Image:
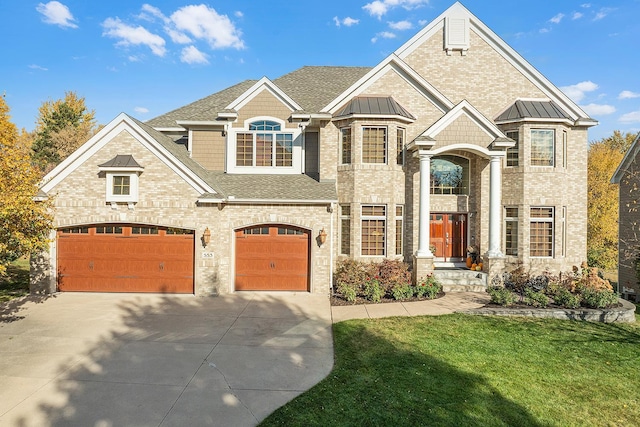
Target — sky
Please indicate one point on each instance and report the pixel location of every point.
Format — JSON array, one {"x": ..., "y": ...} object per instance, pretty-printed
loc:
[{"x": 148, "y": 58}]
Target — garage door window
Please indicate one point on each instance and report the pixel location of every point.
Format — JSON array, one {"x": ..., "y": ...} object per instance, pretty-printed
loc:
[
  {"x": 144, "y": 230},
  {"x": 109, "y": 229}
]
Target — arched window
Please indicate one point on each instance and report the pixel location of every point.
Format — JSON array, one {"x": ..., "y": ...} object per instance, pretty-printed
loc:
[
  {"x": 449, "y": 175},
  {"x": 264, "y": 125},
  {"x": 264, "y": 145}
]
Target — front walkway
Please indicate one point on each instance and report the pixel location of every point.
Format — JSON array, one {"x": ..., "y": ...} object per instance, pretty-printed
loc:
[{"x": 450, "y": 303}]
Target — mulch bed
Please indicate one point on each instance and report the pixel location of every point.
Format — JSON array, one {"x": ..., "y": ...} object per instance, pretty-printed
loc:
[{"x": 338, "y": 300}]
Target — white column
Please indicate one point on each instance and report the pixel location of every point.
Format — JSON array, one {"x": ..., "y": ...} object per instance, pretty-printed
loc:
[
  {"x": 495, "y": 209},
  {"x": 424, "y": 209}
]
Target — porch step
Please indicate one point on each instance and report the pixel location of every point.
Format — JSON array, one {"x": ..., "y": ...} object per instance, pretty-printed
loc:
[{"x": 461, "y": 280}]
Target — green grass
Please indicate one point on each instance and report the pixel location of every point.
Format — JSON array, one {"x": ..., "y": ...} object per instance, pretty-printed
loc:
[
  {"x": 463, "y": 370},
  {"x": 16, "y": 281}
]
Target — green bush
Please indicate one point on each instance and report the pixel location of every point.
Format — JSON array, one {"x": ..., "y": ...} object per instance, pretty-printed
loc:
[
  {"x": 501, "y": 295},
  {"x": 428, "y": 287},
  {"x": 402, "y": 292},
  {"x": 598, "y": 298},
  {"x": 373, "y": 291},
  {"x": 564, "y": 298},
  {"x": 348, "y": 291},
  {"x": 535, "y": 298}
]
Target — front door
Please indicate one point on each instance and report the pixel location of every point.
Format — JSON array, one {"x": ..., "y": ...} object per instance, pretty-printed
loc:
[{"x": 448, "y": 235}]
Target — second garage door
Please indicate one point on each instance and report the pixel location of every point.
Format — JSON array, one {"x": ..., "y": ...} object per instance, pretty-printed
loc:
[
  {"x": 272, "y": 258},
  {"x": 125, "y": 258}
]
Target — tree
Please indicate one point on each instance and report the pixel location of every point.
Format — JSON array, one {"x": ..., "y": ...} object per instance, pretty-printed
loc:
[
  {"x": 24, "y": 223},
  {"x": 62, "y": 126},
  {"x": 602, "y": 212}
]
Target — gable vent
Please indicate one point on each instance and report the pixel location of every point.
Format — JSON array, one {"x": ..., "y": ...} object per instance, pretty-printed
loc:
[{"x": 456, "y": 34}]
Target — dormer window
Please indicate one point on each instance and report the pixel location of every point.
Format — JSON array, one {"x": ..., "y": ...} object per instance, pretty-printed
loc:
[{"x": 121, "y": 174}]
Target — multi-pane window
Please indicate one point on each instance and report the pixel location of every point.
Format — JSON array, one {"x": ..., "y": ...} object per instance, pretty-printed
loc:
[
  {"x": 374, "y": 145},
  {"x": 122, "y": 185},
  {"x": 400, "y": 146},
  {"x": 449, "y": 175},
  {"x": 256, "y": 148},
  {"x": 345, "y": 136},
  {"x": 399, "y": 228},
  {"x": 345, "y": 229},
  {"x": 512, "y": 153},
  {"x": 144, "y": 230},
  {"x": 373, "y": 229},
  {"x": 542, "y": 147},
  {"x": 109, "y": 229},
  {"x": 75, "y": 230},
  {"x": 511, "y": 231},
  {"x": 541, "y": 232},
  {"x": 256, "y": 230},
  {"x": 283, "y": 231}
]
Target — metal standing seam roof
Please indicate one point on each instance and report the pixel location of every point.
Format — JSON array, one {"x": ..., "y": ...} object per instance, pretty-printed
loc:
[
  {"x": 121, "y": 161},
  {"x": 375, "y": 105},
  {"x": 525, "y": 109}
]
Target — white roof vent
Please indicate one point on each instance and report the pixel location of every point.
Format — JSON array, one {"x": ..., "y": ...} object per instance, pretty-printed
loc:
[{"x": 456, "y": 34}]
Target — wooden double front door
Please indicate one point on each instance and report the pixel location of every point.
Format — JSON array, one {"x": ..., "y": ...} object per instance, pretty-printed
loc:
[{"x": 448, "y": 234}]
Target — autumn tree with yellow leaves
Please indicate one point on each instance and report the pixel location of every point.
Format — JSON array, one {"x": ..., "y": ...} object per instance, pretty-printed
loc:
[
  {"x": 24, "y": 222},
  {"x": 602, "y": 213}
]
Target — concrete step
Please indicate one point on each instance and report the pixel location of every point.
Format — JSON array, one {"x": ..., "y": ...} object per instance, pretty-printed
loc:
[{"x": 461, "y": 280}]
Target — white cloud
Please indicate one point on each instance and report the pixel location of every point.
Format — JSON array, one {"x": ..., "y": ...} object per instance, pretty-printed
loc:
[
  {"x": 586, "y": 5},
  {"x": 384, "y": 35},
  {"x": 38, "y": 67},
  {"x": 400, "y": 25},
  {"x": 576, "y": 15},
  {"x": 627, "y": 94},
  {"x": 238, "y": 14},
  {"x": 598, "y": 109},
  {"x": 544, "y": 30},
  {"x": 603, "y": 12},
  {"x": 141, "y": 110},
  {"x": 578, "y": 91},
  {"x": 348, "y": 21},
  {"x": 177, "y": 36},
  {"x": 556, "y": 19},
  {"x": 133, "y": 58},
  {"x": 379, "y": 8},
  {"x": 203, "y": 22},
  {"x": 632, "y": 117},
  {"x": 191, "y": 55},
  {"x": 423, "y": 22},
  {"x": 56, "y": 13},
  {"x": 128, "y": 35},
  {"x": 153, "y": 11}
]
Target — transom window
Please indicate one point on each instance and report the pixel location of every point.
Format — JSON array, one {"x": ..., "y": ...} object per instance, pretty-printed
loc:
[
  {"x": 449, "y": 175},
  {"x": 541, "y": 232},
  {"x": 374, "y": 145},
  {"x": 373, "y": 230},
  {"x": 264, "y": 146},
  {"x": 542, "y": 147}
]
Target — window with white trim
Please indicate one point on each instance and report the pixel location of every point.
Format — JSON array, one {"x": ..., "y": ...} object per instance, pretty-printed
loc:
[
  {"x": 345, "y": 229},
  {"x": 374, "y": 145},
  {"x": 345, "y": 141},
  {"x": 541, "y": 232},
  {"x": 400, "y": 146},
  {"x": 512, "y": 152},
  {"x": 399, "y": 228},
  {"x": 511, "y": 231},
  {"x": 542, "y": 147},
  {"x": 374, "y": 219},
  {"x": 122, "y": 187},
  {"x": 264, "y": 145}
]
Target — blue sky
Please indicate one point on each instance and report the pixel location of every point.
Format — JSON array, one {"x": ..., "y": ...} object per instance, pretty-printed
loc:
[{"x": 147, "y": 58}]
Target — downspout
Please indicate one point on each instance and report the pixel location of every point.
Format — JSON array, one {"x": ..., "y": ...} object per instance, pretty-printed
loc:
[{"x": 331, "y": 249}]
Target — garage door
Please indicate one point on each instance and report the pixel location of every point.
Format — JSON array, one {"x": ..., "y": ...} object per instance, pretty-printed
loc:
[
  {"x": 125, "y": 258},
  {"x": 272, "y": 258}
]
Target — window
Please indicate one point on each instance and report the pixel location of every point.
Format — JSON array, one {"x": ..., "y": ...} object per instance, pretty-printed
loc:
[
  {"x": 400, "y": 146},
  {"x": 346, "y": 145},
  {"x": 289, "y": 231},
  {"x": 345, "y": 229},
  {"x": 109, "y": 229},
  {"x": 75, "y": 230},
  {"x": 373, "y": 230},
  {"x": 399, "y": 228},
  {"x": 178, "y": 231},
  {"x": 374, "y": 145},
  {"x": 512, "y": 153},
  {"x": 511, "y": 231},
  {"x": 144, "y": 230},
  {"x": 256, "y": 230},
  {"x": 541, "y": 232},
  {"x": 449, "y": 175},
  {"x": 121, "y": 185},
  {"x": 256, "y": 148},
  {"x": 542, "y": 147}
]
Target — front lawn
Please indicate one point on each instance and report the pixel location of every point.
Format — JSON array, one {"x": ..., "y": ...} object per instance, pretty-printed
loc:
[
  {"x": 16, "y": 281},
  {"x": 464, "y": 370}
]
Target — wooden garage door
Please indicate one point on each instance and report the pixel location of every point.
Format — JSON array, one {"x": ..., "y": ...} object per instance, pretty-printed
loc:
[
  {"x": 272, "y": 258},
  {"x": 125, "y": 258}
]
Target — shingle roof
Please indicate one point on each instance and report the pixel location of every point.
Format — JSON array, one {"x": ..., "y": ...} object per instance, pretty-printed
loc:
[
  {"x": 121, "y": 161},
  {"x": 275, "y": 187},
  {"x": 375, "y": 105},
  {"x": 531, "y": 109}
]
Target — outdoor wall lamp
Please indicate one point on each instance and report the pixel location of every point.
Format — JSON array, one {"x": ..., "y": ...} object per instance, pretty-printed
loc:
[
  {"x": 206, "y": 237},
  {"x": 322, "y": 236}
]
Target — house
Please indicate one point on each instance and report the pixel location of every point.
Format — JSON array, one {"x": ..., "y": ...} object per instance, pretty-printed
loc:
[
  {"x": 627, "y": 176},
  {"x": 453, "y": 141}
]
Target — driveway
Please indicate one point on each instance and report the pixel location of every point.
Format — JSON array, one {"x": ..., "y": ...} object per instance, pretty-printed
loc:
[{"x": 80, "y": 359}]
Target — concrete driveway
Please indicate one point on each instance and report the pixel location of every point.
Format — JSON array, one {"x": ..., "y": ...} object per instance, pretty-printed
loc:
[{"x": 79, "y": 359}]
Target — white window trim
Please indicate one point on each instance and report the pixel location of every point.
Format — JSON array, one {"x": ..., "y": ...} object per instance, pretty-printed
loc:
[
  {"x": 378, "y": 217},
  {"x": 553, "y": 148},
  {"x": 386, "y": 143},
  {"x": 401, "y": 219},
  {"x": 132, "y": 197},
  {"x": 553, "y": 230},
  {"x": 296, "y": 162},
  {"x": 508, "y": 219},
  {"x": 348, "y": 218}
]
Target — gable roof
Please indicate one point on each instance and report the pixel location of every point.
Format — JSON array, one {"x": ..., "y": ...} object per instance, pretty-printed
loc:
[
  {"x": 632, "y": 154},
  {"x": 533, "y": 109},
  {"x": 457, "y": 10}
]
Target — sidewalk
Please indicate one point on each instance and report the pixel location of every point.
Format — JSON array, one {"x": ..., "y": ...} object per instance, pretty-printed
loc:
[{"x": 450, "y": 303}]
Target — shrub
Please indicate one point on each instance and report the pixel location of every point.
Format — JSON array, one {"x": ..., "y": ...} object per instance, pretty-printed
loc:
[
  {"x": 535, "y": 298},
  {"x": 428, "y": 287},
  {"x": 598, "y": 298},
  {"x": 402, "y": 292},
  {"x": 392, "y": 273},
  {"x": 566, "y": 299},
  {"x": 348, "y": 291},
  {"x": 373, "y": 291},
  {"x": 501, "y": 295},
  {"x": 350, "y": 272}
]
